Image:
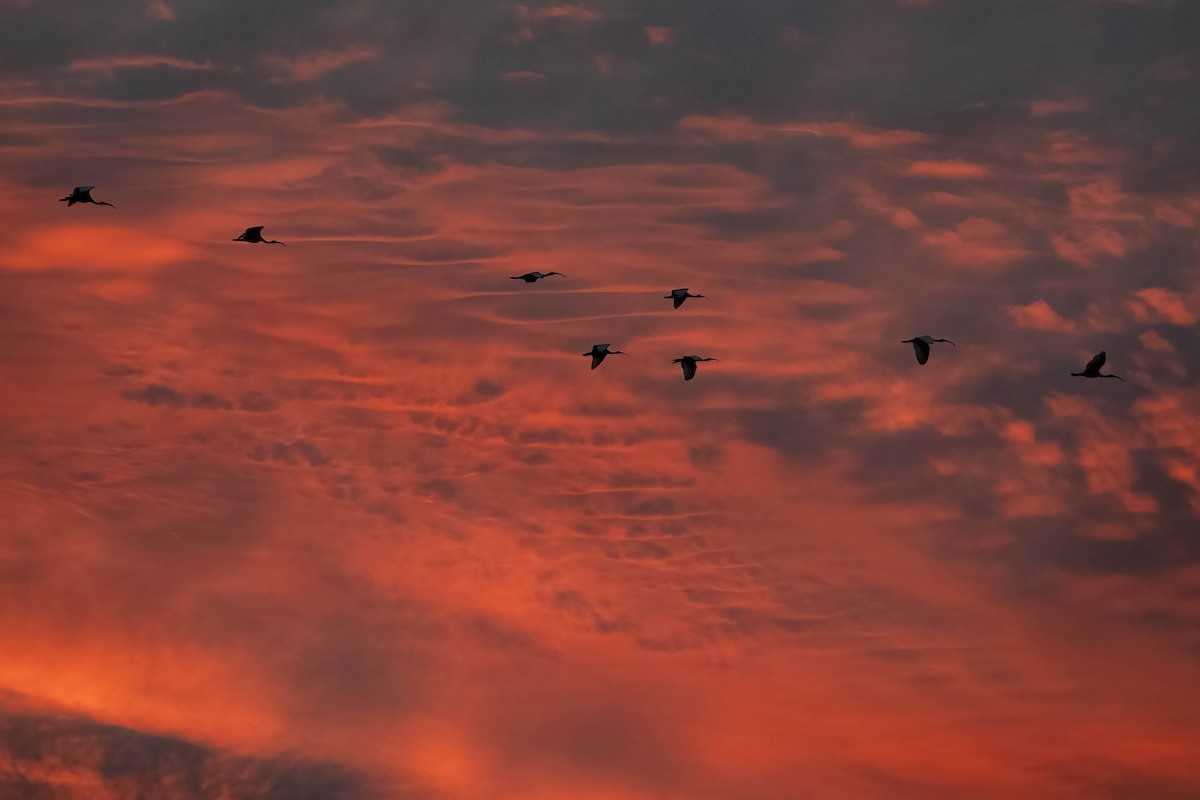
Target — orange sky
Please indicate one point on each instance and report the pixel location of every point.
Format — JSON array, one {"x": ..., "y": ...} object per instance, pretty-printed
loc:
[{"x": 353, "y": 518}]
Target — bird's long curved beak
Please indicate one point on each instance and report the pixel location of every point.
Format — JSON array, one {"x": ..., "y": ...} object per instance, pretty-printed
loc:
[{"x": 947, "y": 341}]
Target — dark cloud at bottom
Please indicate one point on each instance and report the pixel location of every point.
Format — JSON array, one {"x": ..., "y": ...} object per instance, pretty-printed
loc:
[{"x": 59, "y": 757}]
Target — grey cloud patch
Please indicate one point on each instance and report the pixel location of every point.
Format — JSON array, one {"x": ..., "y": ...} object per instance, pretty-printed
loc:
[
  {"x": 210, "y": 401},
  {"x": 641, "y": 550},
  {"x": 499, "y": 635},
  {"x": 299, "y": 451},
  {"x": 629, "y": 479},
  {"x": 599, "y": 619},
  {"x": 258, "y": 401},
  {"x": 654, "y": 507},
  {"x": 800, "y": 433},
  {"x": 1050, "y": 545},
  {"x": 482, "y": 391},
  {"x": 157, "y": 394},
  {"x": 121, "y": 371}
]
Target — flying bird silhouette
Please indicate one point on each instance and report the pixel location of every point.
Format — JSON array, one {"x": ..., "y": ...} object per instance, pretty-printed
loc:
[
  {"x": 83, "y": 194},
  {"x": 1092, "y": 370},
  {"x": 530, "y": 277},
  {"x": 599, "y": 351},
  {"x": 254, "y": 235},
  {"x": 921, "y": 346},
  {"x": 679, "y": 295},
  {"x": 689, "y": 365}
]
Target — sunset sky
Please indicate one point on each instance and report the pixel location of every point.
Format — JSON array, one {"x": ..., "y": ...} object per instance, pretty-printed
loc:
[{"x": 352, "y": 519}]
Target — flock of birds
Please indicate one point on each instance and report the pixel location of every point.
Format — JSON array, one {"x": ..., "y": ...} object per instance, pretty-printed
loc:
[{"x": 922, "y": 345}]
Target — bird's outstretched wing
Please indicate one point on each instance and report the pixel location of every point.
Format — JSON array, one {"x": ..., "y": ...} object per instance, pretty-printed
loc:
[
  {"x": 689, "y": 369},
  {"x": 1096, "y": 363},
  {"x": 597, "y": 358},
  {"x": 255, "y": 229},
  {"x": 921, "y": 348},
  {"x": 82, "y": 189},
  {"x": 678, "y": 300}
]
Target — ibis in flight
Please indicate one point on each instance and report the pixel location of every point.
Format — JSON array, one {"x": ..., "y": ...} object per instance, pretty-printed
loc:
[
  {"x": 1092, "y": 370},
  {"x": 254, "y": 235},
  {"x": 599, "y": 351},
  {"x": 921, "y": 346},
  {"x": 530, "y": 277},
  {"x": 677, "y": 296},
  {"x": 689, "y": 365},
  {"x": 83, "y": 194}
]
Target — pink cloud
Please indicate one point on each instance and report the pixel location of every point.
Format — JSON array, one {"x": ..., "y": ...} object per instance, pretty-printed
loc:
[
  {"x": 977, "y": 242},
  {"x": 523, "y": 76},
  {"x": 139, "y": 61},
  {"x": 953, "y": 170},
  {"x": 1161, "y": 305},
  {"x": 572, "y": 13},
  {"x": 160, "y": 10},
  {"x": 659, "y": 34},
  {"x": 88, "y": 246},
  {"x": 740, "y": 128},
  {"x": 1039, "y": 315},
  {"x": 314, "y": 66},
  {"x": 1040, "y": 109}
]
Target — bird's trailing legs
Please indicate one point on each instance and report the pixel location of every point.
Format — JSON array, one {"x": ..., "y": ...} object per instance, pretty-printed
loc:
[
  {"x": 530, "y": 277},
  {"x": 689, "y": 365},
  {"x": 254, "y": 236},
  {"x": 599, "y": 351},
  {"x": 1092, "y": 370},
  {"x": 83, "y": 194},
  {"x": 677, "y": 296},
  {"x": 921, "y": 346}
]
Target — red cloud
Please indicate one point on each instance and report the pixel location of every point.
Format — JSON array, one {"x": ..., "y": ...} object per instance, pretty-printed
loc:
[
  {"x": 1039, "y": 315},
  {"x": 953, "y": 170}
]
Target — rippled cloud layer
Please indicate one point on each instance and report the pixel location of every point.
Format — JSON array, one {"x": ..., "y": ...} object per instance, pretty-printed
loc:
[{"x": 353, "y": 517}]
